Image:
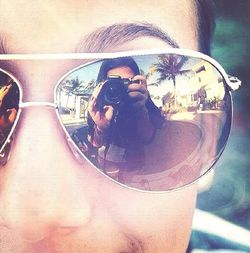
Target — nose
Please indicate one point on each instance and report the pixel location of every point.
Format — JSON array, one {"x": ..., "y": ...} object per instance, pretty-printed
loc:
[{"x": 42, "y": 187}]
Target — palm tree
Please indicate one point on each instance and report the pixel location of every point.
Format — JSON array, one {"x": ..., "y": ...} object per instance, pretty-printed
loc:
[
  {"x": 70, "y": 87},
  {"x": 143, "y": 73},
  {"x": 91, "y": 86},
  {"x": 60, "y": 90},
  {"x": 169, "y": 66},
  {"x": 85, "y": 91},
  {"x": 148, "y": 74}
]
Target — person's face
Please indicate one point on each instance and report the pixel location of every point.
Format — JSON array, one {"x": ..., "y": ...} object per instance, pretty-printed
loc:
[
  {"x": 122, "y": 71},
  {"x": 48, "y": 201}
]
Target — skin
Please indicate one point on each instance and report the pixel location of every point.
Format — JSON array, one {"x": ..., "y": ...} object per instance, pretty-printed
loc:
[{"x": 49, "y": 202}]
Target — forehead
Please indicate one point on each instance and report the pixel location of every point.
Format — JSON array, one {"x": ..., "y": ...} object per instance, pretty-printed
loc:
[
  {"x": 53, "y": 26},
  {"x": 122, "y": 70},
  {"x": 72, "y": 26}
]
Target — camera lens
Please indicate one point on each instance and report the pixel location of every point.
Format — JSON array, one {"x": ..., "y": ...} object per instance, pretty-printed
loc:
[{"x": 115, "y": 92}]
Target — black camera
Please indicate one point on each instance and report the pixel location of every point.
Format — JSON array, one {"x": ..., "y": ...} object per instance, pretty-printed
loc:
[{"x": 114, "y": 92}]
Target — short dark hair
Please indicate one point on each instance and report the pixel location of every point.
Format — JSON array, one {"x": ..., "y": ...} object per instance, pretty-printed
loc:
[{"x": 206, "y": 24}]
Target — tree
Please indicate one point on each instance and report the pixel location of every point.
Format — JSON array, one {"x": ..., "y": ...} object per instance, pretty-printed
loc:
[
  {"x": 70, "y": 86},
  {"x": 170, "y": 66},
  {"x": 85, "y": 91}
]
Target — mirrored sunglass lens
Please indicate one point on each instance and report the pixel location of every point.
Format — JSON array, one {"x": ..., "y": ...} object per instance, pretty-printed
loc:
[
  {"x": 9, "y": 104},
  {"x": 153, "y": 122}
]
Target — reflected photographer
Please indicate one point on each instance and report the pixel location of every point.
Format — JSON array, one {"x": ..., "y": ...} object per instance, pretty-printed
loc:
[{"x": 122, "y": 116}]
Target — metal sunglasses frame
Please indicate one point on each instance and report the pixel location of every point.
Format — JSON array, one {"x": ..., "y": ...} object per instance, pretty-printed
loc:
[{"x": 232, "y": 82}]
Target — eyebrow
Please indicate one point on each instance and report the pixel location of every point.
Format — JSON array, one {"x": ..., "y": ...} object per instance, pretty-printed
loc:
[{"x": 110, "y": 36}]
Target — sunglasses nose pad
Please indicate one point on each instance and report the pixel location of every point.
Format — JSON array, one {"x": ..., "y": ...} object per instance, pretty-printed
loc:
[
  {"x": 5, "y": 154},
  {"x": 77, "y": 154}
]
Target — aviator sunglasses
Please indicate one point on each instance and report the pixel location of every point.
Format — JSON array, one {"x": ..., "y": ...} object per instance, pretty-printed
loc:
[{"x": 151, "y": 120}]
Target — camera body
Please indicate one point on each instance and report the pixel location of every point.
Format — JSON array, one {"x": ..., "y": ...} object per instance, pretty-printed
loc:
[{"x": 114, "y": 92}]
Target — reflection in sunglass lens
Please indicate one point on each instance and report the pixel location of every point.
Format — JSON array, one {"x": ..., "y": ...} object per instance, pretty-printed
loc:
[
  {"x": 152, "y": 122},
  {"x": 9, "y": 102}
]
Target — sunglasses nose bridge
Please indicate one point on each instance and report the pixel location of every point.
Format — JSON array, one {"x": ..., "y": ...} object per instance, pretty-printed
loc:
[{"x": 51, "y": 105}]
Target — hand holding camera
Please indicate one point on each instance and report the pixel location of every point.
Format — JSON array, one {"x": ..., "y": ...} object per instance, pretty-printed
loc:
[
  {"x": 121, "y": 92},
  {"x": 138, "y": 93},
  {"x": 114, "y": 94},
  {"x": 101, "y": 118}
]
